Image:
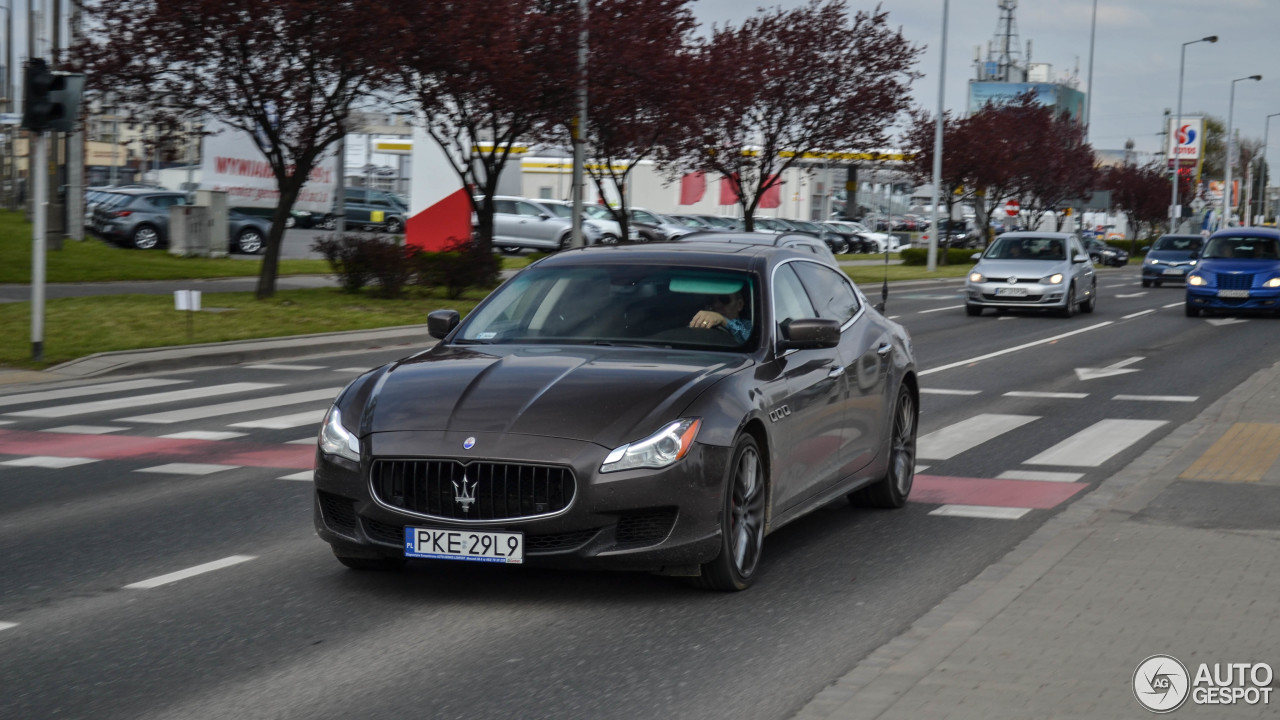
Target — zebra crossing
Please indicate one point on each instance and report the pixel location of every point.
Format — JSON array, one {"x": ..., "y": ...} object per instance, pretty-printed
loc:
[{"x": 198, "y": 430}]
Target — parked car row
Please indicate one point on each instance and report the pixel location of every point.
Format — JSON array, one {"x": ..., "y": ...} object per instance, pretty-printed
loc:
[{"x": 139, "y": 218}]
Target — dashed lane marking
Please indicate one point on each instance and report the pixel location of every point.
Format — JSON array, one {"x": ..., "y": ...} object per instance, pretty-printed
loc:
[
  {"x": 1140, "y": 313},
  {"x": 272, "y": 366},
  {"x": 941, "y": 391},
  {"x": 204, "y": 435},
  {"x": 1158, "y": 398},
  {"x": 86, "y": 429},
  {"x": 980, "y": 511},
  {"x": 1016, "y": 348},
  {"x": 187, "y": 469},
  {"x": 48, "y": 461},
  {"x": 1046, "y": 395},
  {"x": 189, "y": 572},
  {"x": 1041, "y": 475},
  {"x": 306, "y": 476},
  {"x": 7, "y": 625},
  {"x": 940, "y": 309}
]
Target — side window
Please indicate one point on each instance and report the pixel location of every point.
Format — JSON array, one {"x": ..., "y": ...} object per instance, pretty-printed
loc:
[
  {"x": 644, "y": 217},
  {"x": 1076, "y": 249},
  {"x": 525, "y": 208},
  {"x": 790, "y": 302},
  {"x": 832, "y": 295},
  {"x": 355, "y": 195},
  {"x": 504, "y": 206}
]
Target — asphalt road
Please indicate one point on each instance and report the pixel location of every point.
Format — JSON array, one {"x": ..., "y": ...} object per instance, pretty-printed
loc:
[{"x": 96, "y": 624}]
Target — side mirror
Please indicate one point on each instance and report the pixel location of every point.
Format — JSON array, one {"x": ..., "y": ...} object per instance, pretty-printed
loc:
[
  {"x": 1146, "y": 248},
  {"x": 809, "y": 333},
  {"x": 976, "y": 256},
  {"x": 442, "y": 322},
  {"x": 1080, "y": 259}
]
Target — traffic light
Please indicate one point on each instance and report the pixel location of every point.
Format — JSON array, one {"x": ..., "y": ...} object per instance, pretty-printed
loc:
[{"x": 50, "y": 100}]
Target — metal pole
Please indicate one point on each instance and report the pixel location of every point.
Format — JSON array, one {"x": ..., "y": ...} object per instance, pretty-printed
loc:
[
  {"x": 1088, "y": 99},
  {"x": 932, "y": 258},
  {"x": 39, "y": 206},
  {"x": 1262, "y": 163},
  {"x": 1227, "y": 200},
  {"x": 1173, "y": 139},
  {"x": 580, "y": 129}
]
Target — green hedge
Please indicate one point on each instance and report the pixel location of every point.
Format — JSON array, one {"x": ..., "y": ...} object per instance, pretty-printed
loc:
[{"x": 955, "y": 256}]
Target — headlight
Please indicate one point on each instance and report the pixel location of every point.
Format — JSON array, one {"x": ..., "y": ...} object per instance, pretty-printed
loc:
[
  {"x": 656, "y": 451},
  {"x": 1196, "y": 280},
  {"x": 336, "y": 439},
  {"x": 1152, "y": 261},
  {"x": 977, "y": 277},
  {"x": 1054, "y": 279},
  {"x": 1273, "y": 282}
]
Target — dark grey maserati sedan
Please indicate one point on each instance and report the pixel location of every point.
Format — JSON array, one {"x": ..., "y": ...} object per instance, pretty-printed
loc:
[{"x": 657, "y": 408}]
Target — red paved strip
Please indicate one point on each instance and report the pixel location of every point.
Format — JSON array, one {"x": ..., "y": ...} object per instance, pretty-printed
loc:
[
  {"x": 1036, "y": 494},
  {"x": 112, "y": 447}
]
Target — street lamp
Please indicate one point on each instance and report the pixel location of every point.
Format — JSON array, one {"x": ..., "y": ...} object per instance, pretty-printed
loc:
[
  {"x": 1262, "y": 161},
  {"x": 1173, "y": 139},
  {"x": 1227, "y": 204},
  {"x": 932, "y": 257}
]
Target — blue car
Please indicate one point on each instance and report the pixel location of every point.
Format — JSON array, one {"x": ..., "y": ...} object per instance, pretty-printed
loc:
[
  {"x": 1239, "y": 269},
  {"x": 1170, "y": 259}
]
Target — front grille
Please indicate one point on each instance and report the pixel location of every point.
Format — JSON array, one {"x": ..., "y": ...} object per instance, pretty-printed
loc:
[
  {"x": 383, "y": 533},
  {"x": 1012, "y": 298},
  {"x": 645, "y": 527},
  {"x": 472, "y": 491},
  {"x": 1241, "y": 281},
  {"x": 338, "y": 513}
]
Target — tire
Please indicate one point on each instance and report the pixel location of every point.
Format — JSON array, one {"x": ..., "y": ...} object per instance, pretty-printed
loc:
[
  {"x": 891, "y": 491},
  {"x": 329, "y": 223},
  {"x": 608, "y": 239},
  {"x": 250, "y": 241},
  {"x": 1088, "y": 305},
  {"x": 145, "y": 237},
  {"x": 395, "y": 226},
  {"x": 510, "y": 249},
  {"x": 741, "y": 522},
  {"x": 1192, "y": 310},
  {"x": 564, "y": 242},
  {"x": 376, "y": 564},
  {"x": 1070, "y": 308},
  {"x": 1146, "y": 283},
  {"x": 290, "y": 221},
  {"x": 1157, "y": 283},
  {"x": 973, "y": 310}
]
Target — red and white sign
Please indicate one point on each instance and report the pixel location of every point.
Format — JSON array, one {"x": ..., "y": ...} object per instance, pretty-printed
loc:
[
  {"x": 1187, "y": 139},
  {"x": 439, "y": 209},
  {"x": 232, "y": 163},
  {"x": 1012, "y": 208}
]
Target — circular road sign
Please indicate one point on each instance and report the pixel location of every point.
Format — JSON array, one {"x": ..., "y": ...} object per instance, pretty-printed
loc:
[{"x": 1011, "y": 208}]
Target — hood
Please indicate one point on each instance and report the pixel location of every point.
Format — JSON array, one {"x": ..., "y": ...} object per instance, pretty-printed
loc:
[
  {"x": 593, "y": 394},
  {"x": 1022, "y": 269},
  {"x": 1261, "y": 268},
  {"x": 1170, "y": 255}
]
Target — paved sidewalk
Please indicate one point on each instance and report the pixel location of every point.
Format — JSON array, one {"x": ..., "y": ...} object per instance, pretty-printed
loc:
[{"x": 1178, "y": 554}]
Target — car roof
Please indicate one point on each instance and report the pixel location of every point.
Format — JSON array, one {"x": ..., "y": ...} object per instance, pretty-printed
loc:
[
  {"x": 1034, "y": 234},
  {"x": 709, "y": 254},
  {"x": 1250, "y": 231}
]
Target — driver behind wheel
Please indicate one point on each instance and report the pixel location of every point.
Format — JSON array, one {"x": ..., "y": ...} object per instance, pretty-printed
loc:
[{"x": 724, "y": 311}]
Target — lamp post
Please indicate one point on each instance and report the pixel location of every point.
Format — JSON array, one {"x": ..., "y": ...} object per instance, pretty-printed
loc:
[
  {"x": 1262, "y": 162},
  {"x": 1227, "y": 204},
  {"x": 1173, "y": 139},
  {"x": 932, "y": 257}
]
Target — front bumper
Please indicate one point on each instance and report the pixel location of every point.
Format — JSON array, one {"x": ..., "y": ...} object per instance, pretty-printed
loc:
[
  {"x": 1211, "y": 298},
  {"x": 1019, "y": 295},
  {"x": 631, "y": 520},
  {"x": 1166, "y": 273}
]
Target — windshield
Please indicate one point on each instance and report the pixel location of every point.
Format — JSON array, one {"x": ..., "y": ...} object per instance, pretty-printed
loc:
[
  {"x": 559, "y": 210},
  {"x": 1175, "y": 243},
  {"x": 1027, "y": 248},
  {"x": 652, "y": 305},
  {"x": 1242, "y": 248},
  {"x": 596, "y": 212},
  {"x": 806, "y": 225}
]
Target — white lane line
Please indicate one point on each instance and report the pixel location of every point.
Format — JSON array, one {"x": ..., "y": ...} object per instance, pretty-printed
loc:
[
  {"x": 140, "y": 400},
  {"x": 85, "y": 429},
  {"x": 7, "y": 625},
  {"x": 239, "y": 406},
  {"x": 941, "y": 391},
  {"x": 48, "y": 461},
  {"x": 48, "y": 395},
  {"x": 981, "y": 511},
  {"x": 1006, "y": 351},
  {"x": 1140, "y": 313},
  {"x": 187, "y": 469},
  {"x": 921, "y": 468},
  {"x": 1159, "y": 398},
  {"x": 285, "y": 422},
  {"x": 271, "y": 366},
  {"x": 189, "y": 572},
  {"x": 956, "y": 438},
  {"x": 949, "y": 307},
  {"x": 359, "y": 370},
  {"x": 305, "y": 475},
  {"x": 1050, "y": 395},
  {"x": 894, "y": 317},
  {"x": 1040, "y": 475},
  {"x": 1097, "y": 443},
  {"x": 1132, "y": 295},
  {"x": 7, "y": 422},
  {"x": 303, "y": 441},
  {"x": 1173, "y": 305},
  {"x": 203, "y": 435}
]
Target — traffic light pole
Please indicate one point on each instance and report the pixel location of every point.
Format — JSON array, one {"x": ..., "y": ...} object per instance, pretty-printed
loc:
[{"x": 39, "y": 205}]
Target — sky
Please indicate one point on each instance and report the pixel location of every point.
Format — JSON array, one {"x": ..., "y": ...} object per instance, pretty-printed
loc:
[{"x": 1136, "y": 51}]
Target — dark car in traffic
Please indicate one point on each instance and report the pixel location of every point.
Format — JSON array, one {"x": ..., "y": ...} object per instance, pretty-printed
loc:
[
  {"x": 655, "y": 408},
  {"x": 1170, "y": 258},
  {"x": 1103, "y": 254},
  {"x": 1237, "y": 270}
]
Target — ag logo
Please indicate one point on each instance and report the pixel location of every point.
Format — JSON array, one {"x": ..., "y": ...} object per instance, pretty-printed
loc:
[{"x": 1161, "y": 683}]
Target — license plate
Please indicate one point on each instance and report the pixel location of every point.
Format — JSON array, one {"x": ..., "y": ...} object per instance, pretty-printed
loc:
[
  {"x": 1011, "y": 291},
  {"x": 472, "y": 545},
  {"x": 1233, "y": 293},
  {"x": 1174, "y": 271}
]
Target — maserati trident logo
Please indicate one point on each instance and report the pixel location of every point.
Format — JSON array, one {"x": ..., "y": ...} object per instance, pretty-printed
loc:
[
  {"x": 465, "y": 492},
  {"x": 468, "y": 443}
]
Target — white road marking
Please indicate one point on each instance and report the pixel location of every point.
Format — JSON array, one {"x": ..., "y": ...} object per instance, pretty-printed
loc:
[
  {"x": 1040, "y": 475},
  {"x": 1173, "y": 305},
  {"x": 941, "y": 391},
  {"x": 980, "y": 511},
  {"x": 284, "y": 422},
  {"x": 48, "y": 461},
  {"x": 187, "y": 469},
  {"x": 967, "y": 434},
  {"x": 271, "y": 366},
  {"x": 1132, "y": 295},
  {"x": 86, "y": 429},
  {"x": 303, "y": 441},
  {"x": 1137, "y": 314},
  {"x": 63, "y": 394},
  {"x": 1118, "y": 368},
  {"x": 894, "y": 317},
  {"x": 921, "y": 468},
  {"x": 189, "y": 572},
  {"x": 7, "y": 422},
  {"x": 1158, "y": 398},
  {"x": 140, "y": 400},
  {"x": 263, "y": 403},
  {"x": 1219, "y": 322},
  {"x": 1097, "y": 443},
  {"x": 203, "y": 435},
  {"x": 1006, "y": 351},
  {"x": 7, "y": 625},
  {"x": 306, "y": 475},
  {"x": 949, "y": 307},
  {"x": 1050, "y": 395},
  {"x": 362, "y": 370}
]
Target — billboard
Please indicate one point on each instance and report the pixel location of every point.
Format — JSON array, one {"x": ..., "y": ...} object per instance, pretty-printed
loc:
[
  {"x": 1060, "y": 97},
  {"x": 232, "y": 163},
  {"x": 1187, "y": 140}
]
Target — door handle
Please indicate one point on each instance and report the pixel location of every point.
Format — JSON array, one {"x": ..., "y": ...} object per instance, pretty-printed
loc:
[
  {"x": 835, "y": 371},
  {"x": 884, "y": 349}
]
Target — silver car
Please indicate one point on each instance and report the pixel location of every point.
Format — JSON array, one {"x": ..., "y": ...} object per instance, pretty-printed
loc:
[
  {"x": 520, "y": 223},
  {"x": 1032, "y": 271}
]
